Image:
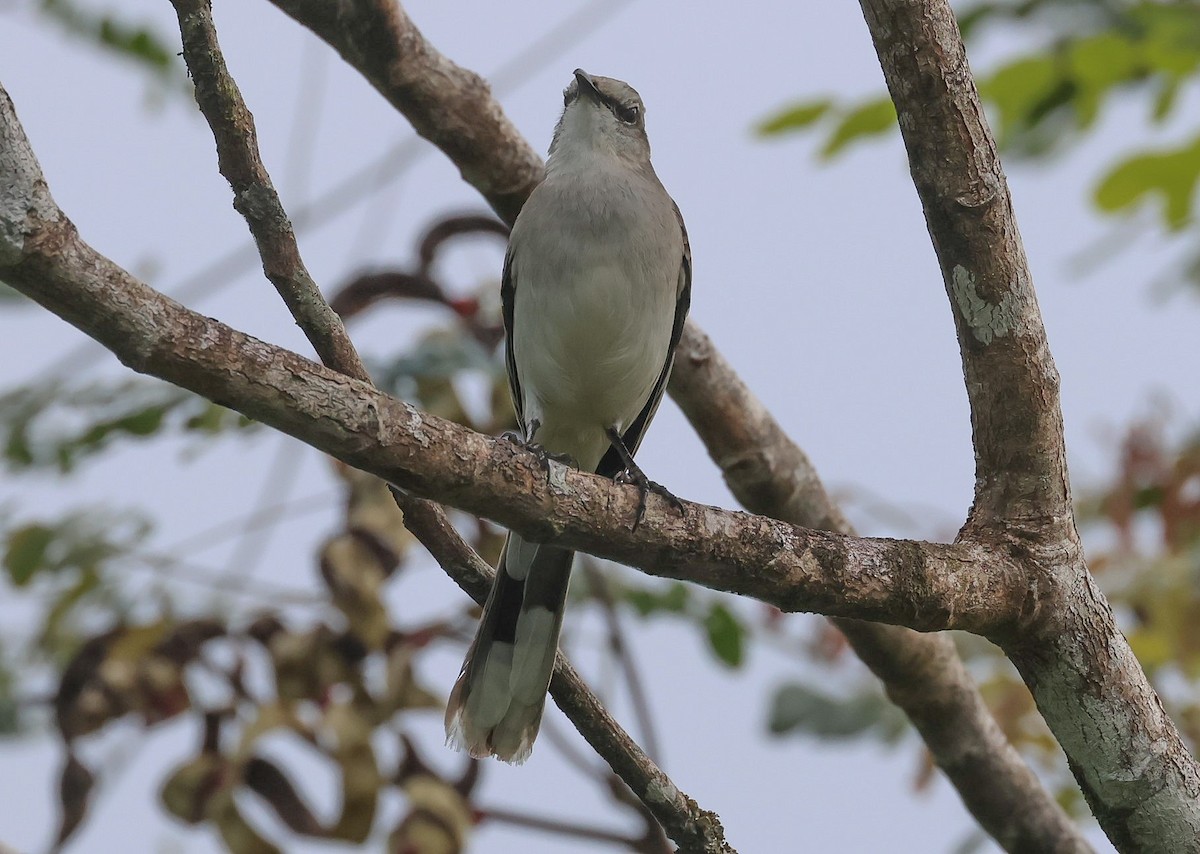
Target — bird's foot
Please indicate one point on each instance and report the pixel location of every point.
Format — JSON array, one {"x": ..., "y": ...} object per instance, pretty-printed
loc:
[
  {"x": 634, "y": 475},
  {"x": 544, "y": 457}
]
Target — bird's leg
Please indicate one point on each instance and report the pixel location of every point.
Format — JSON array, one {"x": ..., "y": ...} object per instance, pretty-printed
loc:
[
  {"x": 633, "y": 474},
  {"x": 528, "y": 443}
]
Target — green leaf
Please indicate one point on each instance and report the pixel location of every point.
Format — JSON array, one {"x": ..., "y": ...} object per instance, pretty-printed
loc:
[
  {"x": 1170, "y": 174},
  {"x": 134, "y": 42},
  {"x": 794, "y": 118},
  {"x": 1097, "y": 65},
  {"x": 797, "y": 708},
  {"x": 10, "y": 709},
  {"x": 60, "y": 423},
  {"x": 1023, "y": 93},
  {"x": 672, "y": 599},
  {"x": 214, "y": 418},
  {"x": 725, "y": 634},
  {"x": 1170, "y": 35},
  {"x": 866, "y": 120},
  {"x": 1104, "y": 60},
  {"x": 25, "y": 553},
  {"x": 1164, "y": 101}
]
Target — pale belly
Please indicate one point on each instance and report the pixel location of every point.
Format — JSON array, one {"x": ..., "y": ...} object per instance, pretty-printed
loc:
[{"x": 589, "y": 349}]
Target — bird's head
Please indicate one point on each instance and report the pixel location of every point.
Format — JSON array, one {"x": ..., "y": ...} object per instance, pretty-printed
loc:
[{"x": 601, "y": 116}]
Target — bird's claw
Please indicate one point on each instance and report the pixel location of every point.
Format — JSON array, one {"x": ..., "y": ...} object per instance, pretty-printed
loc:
[
  {"x": 645, "y": 486},
  {"x": 544, "y": 457}
]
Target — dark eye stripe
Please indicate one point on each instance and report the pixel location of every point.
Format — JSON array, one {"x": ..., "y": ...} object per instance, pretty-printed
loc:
[{"x": 627, "y": 113}]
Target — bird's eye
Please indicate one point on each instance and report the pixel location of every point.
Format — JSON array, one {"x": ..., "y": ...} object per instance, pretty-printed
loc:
[{"x": 628, "y": 113}]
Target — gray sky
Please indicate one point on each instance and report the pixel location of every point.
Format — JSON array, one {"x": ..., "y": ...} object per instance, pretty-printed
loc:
[{"x": 817, "y": 282}]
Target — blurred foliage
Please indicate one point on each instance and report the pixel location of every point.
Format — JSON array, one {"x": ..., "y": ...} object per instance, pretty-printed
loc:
[
  {"x": 1089, "y": 54},
  {"x": 797, "y": 707},
  {"x": 59, "y": 423},
  {"x": 116, "y": 34},
  {"x": 1151, "y": 514},
  {"x": 341, "y": 682},
  {"x": 66, "y": 563},
  {"x": 725, "y": 633}
]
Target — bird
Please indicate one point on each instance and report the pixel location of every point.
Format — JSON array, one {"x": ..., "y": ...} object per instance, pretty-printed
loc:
[{"x": 595, "y": 289}]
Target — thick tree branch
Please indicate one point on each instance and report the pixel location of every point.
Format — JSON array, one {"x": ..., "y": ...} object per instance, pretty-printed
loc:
[
  {"x": 923, "y": 674},
  {"x": 765, "y": 470},
  {"x": 923, "y": 585},
  {"x": 1012, "y": 384},
  {"x": 692, "y": 828},
  {"x": 1137, "y": 775},
  {"x": 232, "y": 125},
  {"x": 254, "y": 196}
]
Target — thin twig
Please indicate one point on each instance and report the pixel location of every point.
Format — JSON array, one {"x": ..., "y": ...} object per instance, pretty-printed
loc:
[
  {"x": 693, "y": 829},
  {"x": 233, "y": 130},
  {"x": 215, "y": 535},
  {"x": 563, "y": 828},
  {"x": 192, "y": 573},
  {"x": 254, "y": 196},
  {"x": 617, "y": 643},
  {"x": 254, "y": 537}
]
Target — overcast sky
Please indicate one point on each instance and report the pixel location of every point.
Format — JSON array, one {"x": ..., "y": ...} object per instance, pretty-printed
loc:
[{"x": 817, "y": 282}]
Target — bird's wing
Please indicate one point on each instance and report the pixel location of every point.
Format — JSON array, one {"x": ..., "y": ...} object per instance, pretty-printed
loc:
[
  {"x": 508, "y": 291},
  {"x": 611, "y": 464}
]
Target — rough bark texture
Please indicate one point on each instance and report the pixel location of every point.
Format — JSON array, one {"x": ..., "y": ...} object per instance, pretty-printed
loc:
[
  {"x": 923, "y": 674},
  {"x": 693, "y": 829},
  {"x": 925, "y": 585},
  {"x": 254, "y": 195},
  {"x": 255, "y": 198},
  {"x": 1137, "y": 775},
  {"x": 435, "y": 95},
  {"x": 1017, "y": 573}
]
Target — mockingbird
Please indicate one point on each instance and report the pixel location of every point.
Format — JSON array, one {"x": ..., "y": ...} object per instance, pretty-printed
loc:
[{"x": 596, "y": 287}]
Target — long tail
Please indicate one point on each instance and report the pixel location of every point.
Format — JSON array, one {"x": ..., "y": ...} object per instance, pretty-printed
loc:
[{"x": 496, "y": 705}]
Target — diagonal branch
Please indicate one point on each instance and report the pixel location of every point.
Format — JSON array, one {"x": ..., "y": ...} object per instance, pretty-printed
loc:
[
  {"x": 923, "y": 675},
  {"x": 1012, "y": 384},
  {"x": 923, "y": 585},
  {"x": 233, "y": 130},
  {"x": 694, "y": 829},
  {"x": 254, "y": 196},
  {"x": 1138, "y": 777}
]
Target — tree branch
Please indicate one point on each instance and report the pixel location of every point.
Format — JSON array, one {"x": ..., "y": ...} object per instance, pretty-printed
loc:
[
  {"x": 766, "y": 471},
  {"x": 923, "y": 585},
  {"x": 692, "y": 828},
  {"x": 254, "y": 196},
  {"x": 1012, "y": 384},
  {"x": 1137, "y": 775},
  {"x": 923, "y": 674},
  {"x": 232, "y": 125}
]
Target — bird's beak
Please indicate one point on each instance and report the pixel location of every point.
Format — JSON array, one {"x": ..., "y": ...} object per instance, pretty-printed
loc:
[{"x": 586, "y": 84}]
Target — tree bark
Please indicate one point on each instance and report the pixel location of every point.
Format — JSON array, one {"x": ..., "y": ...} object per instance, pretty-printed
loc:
[
  {"x": 1139, "y": 779},
  {"x": 923, "y": 675},
  {"x": 1016, "y": 573},
  {"x": 232, "y": 124}
]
